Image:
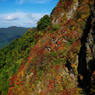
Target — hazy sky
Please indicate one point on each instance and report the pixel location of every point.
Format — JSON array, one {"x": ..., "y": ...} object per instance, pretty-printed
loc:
[{"x": 24, "y": 13}]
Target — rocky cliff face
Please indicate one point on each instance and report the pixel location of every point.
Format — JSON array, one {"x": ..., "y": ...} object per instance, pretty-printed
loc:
[
  {"x": 86, "y": 57},
  {"x": 86, "y": 65},
  {"x": 68, "y": 12}
]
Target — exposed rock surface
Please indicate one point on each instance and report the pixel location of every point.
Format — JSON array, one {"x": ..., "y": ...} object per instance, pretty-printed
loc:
[{"x": 87, "y": 53}]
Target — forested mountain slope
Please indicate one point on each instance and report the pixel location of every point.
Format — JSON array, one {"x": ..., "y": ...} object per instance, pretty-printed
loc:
[
  {"x": 56, "y": 58},
  {"x": 7, "y": 35}
]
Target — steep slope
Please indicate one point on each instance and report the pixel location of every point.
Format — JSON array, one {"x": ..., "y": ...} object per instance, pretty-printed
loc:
[{"x": 53, "y": 61}]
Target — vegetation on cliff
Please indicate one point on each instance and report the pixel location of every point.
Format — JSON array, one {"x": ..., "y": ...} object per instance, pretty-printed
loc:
[{"x": 44, "y": 61}]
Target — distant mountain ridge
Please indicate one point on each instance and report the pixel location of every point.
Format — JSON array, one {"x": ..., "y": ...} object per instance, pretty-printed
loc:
[{"x": 7, "y": 35}]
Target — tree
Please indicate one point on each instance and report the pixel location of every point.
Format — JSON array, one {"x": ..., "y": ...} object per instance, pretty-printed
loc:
[{"x": 43, "y": 23}]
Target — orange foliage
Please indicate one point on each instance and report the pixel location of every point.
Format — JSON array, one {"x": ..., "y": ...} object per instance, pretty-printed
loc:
[
  {"x": 61, "y": 45},
  {"x": 61, "y": 19},
  {"x": 58, "y": 79},
  {"x": 41, "y": 93},
  {"x": 61, "y": 48},
  {"x": 17, "y": 83},
  {"x": 93, "y": 74},
  {"x": 67, "y": 92}
]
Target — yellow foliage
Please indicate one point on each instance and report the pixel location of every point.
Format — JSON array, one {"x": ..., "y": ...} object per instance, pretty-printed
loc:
[
  {"x": 83, "y": 16},
  {"x": 71, "y": 55},
  {"x": 61, "y": 88},
  {"x": 22, "y": 73},
  {"x": 73, "y": 65},
  {"x": 79, "y": 20},
  {"x": 22, "y": 93},
  {"x": 33, "y": 86}
]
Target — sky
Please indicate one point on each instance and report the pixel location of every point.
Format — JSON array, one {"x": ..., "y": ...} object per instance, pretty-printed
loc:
[{"x": 24, "y": 13}]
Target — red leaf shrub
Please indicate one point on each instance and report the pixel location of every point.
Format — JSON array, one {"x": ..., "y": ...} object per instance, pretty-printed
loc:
[
  {"x": 40, "y": 51},
  {"x": 54, "y": 36},
  {"x": 17, "y": 83},
  {"x": 12, "y": 80},
  {"x": 57, "y": 67},
  {"x": 58, "y": 42},
  {"x": 36, "y": 35},
  {"x": 50, "y": 85},
  {"x": 63, "y": 30},
  {"x": 63, "y": 66},
  {"x": 76, "y": 34},
  {"x": 67, "y": 3},
  {"x": 57, "y": 10}
]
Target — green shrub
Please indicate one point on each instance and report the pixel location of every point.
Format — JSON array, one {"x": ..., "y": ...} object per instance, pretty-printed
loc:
[
  {"x": 53, "y": 54},
  {"x": 57, "y": 61},
  {"x": 25, "y": 55},
  {"x": 55, "y": 27},
  {"x": 70, "y": 41},
  {"x": 43, "y": 23}
]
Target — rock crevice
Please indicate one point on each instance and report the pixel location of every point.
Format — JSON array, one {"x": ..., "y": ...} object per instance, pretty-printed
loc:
[{"x": 87, "y": 53}]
